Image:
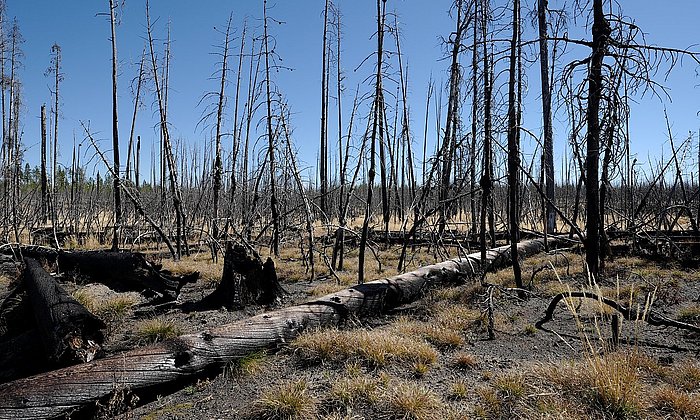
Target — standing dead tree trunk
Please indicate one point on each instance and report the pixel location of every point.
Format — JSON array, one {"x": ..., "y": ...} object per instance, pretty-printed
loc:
[
  {"x": 115, "y": 133},
  {"x": 63, "y": 391},
  {"x": 601, "y": 34},
  {"x": 377, "y": 126},
  {"x": 180, "y": 217},
  {"x": 514, "y": 148},
  {"x": 275, "y": 242},
  {"x": 449, "y": 145},
  {"x": 487, "y": 166},
  {"x": 218, "y": 165},
  {"x": 44, "y": 180},
  {"x": 323, "y": 152},
  {"x": 245, "y": 280},
  {"x": 548, "y": 148},
  {"x": 139, "y": 82}
]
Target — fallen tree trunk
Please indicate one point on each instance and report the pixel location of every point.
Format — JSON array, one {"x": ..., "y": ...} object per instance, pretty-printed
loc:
[
  {"x": 63, "y": 391},
  {"x": 121, "y": 271},
  {"x": 69, "y": 332}
]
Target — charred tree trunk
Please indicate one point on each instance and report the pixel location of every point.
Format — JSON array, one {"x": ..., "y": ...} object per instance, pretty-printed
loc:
[
  {"x": 44, "y": 180},
  {"x": 275, "y": 242},
  {"x": 115, "y": 134},
  {"x": 601, "y": 33},
  {"x": 323, "y": 158},
  {"x": 548, "y": 148},
  {"x": 218, "y": 165},
  {"x": 63, "y": 391},
  {"x": 69, "y": 332},
  {"x": 514, "y": 148}
]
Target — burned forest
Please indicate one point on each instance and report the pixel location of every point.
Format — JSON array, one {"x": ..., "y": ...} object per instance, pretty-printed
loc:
[{"x": 491, "y": 211}]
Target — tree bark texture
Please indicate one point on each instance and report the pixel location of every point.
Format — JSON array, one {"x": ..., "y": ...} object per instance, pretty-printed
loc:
[{"x": 63, "y": 391}]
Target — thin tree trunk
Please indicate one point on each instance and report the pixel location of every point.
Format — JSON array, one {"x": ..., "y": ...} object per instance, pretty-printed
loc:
[
  {"x": 377, "y": 120},
  {"x": 323, "y": 158},
  {"x": 218, "y": 165},
  {"x": 514, "y": 148},
  {"x": 271, "y": 142},
  {"x": 44, "y": 181},
  {"x": 115, "y": 134},
  {"x": 601, "y": 32}
]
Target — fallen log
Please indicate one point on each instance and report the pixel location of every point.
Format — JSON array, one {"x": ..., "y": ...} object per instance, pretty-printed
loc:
[
  {"x": 121, "y": 271},
  {"x": 69, "y": 333},
  {"x": 62, "y": 392}
]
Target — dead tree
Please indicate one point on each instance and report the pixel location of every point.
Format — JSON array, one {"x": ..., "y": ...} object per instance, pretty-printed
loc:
[
  {"x": 270, "y": 141},
  {"x": 115, "y": 132},
  {"x": 487, "y": 166},
  {"x": 449, "y": 145},
  {"x": 514, "y": 147},
  {"x": 218, "y": 165},
  {"x": 245, "y": 280},
  {"x": 548, "y": 148},
  {"x": 180, "y": 216},
  {"x": 323, "y": 155},
  {"x": 44, "y": 181},
  {"x": 377, "y": 127},
  {"x": 137, "y": 97}
]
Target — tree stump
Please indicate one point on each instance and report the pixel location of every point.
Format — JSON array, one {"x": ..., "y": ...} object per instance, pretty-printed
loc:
[{"x": 245, "y": 280}]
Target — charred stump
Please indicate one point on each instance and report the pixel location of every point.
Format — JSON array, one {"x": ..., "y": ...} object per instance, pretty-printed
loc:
[{"x": 245, "y": 280}]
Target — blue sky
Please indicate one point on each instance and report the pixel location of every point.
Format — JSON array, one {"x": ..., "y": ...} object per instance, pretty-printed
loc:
[{"x": 84, "y": 38}]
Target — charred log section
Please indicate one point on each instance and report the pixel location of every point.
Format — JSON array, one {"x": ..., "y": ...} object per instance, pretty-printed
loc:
[
  {"x": 69, "y": 333},
  {"x": 121, "y": 271}
]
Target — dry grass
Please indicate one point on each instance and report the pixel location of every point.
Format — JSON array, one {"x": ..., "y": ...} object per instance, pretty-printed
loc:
[
  {"x": 435, "y": 333},
  {"x": 405, "y": 400},
  {"x": 684, "y": 376},
  {"x": 209, "y": 272},
  {"x": 608, "y": 384},
  {"x": 326, "y": 289},
  {"x": 157, "y": 329},
  {"x": 672, "y": 403},
  {"x": 374, "y": 347},
  {"x": 459, "y": 390},
  {"x": 350, "y": 390},
  {"x": 290, "y": 400},
  {"x": 250, "y": 364},
  {"x": 464, "y": 360},
  {"x": 112, "y": 310},
  {"x": 690, "y": 313}
]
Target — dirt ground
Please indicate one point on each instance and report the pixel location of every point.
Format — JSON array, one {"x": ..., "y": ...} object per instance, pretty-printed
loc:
[{"x": 447, "y": 366}]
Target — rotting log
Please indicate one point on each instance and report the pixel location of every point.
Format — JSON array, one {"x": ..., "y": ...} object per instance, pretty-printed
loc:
[
  {"x": 69, "y": 332},
  {"x": 62, "y": 392},
  {"x": 121, "y": 271}
]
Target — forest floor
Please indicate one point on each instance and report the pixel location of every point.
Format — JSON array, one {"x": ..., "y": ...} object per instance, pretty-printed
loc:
[{"x": 433, "y": 359}]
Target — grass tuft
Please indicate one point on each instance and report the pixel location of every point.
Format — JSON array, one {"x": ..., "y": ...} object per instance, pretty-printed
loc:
[
  {"x": 377, "y": 348},
  {"x": 290, "y": 400},
  {"x": 413, "y": 402},
  {"x": 157, "y": 329}
]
